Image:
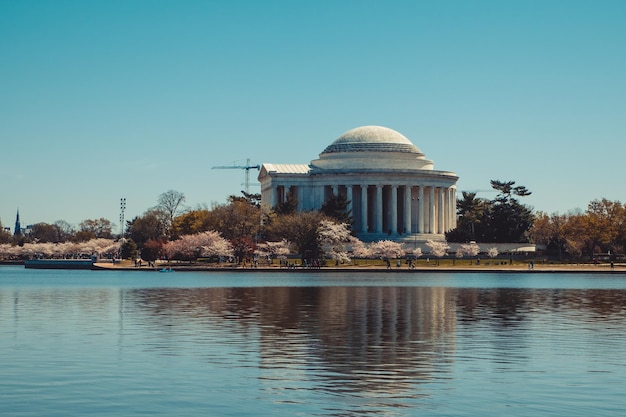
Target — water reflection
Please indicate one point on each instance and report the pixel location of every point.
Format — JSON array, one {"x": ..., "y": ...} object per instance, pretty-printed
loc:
[
  {"x": 378, "y": 343},
  {"x": 341, "y": 351}
]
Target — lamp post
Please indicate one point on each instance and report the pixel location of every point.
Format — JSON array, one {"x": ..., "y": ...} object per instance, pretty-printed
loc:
[
  {"x": 416, "y": 199},
  {"x": 122, "y": 209}
]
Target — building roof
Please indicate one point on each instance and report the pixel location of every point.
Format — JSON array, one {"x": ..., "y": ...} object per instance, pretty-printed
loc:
[
  {"x": 372, "y": 139},
  {"x": 287, "y": 168}
]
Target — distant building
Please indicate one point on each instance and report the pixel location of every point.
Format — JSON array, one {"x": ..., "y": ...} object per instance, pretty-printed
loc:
[
  {"x": 394, "y": 191},
  {"x": 17, "y": 231}
]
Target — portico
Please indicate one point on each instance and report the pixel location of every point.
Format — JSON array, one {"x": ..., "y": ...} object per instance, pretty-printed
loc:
[{"x": 394, "y": 192}]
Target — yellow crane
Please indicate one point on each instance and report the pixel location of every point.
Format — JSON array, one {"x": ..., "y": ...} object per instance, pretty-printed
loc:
[{"x": 247, "y": 167}]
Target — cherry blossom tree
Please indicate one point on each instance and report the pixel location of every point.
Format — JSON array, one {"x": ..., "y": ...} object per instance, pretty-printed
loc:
[
  {"x": 387, "y": 249},
  {"x": 205, "y": 244},
  {"x": 334, "y": 238},
  {"x": 360, "y": 249},
  {"x": 469, "y": 249},
  {"x": 7, "y": 251},
  {"x": 270, "y": 250},
  {"x": 68, "y": 249},
  {"x": 438, "y": 249},
  {"x": 492, "y": 252},
  {"x": 415, "y": 252}
]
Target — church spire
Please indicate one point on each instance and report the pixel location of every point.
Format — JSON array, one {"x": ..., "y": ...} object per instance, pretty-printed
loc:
[{"x": 18, "y": 228}]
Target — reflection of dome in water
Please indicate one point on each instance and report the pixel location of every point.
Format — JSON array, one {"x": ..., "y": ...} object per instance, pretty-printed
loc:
[{"x": 372, "y": 139}]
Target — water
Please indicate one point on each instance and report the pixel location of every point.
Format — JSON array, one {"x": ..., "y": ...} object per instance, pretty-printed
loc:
[{"x": 96, "y": 343}]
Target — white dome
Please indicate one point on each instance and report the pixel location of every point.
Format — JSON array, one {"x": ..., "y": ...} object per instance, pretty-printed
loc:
[
  {"x": 372, "y": 148},
  {"x": 372, "y": 139}
]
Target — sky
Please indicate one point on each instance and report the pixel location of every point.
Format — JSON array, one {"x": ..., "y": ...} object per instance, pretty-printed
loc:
[{"x": 108, "y": 99}]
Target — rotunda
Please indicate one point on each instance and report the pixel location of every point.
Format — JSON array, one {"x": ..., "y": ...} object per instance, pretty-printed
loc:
[{"x": 394, "y": 192}]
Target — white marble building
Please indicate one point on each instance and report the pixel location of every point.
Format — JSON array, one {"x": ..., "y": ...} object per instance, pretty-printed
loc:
[{"x": 394, "y": 191}]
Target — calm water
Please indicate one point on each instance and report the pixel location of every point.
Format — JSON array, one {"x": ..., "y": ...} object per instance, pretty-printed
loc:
[{"x": 78, "y": 343}]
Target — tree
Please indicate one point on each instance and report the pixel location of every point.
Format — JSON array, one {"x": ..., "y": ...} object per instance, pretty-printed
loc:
[
  {"x": 333, "y": 238},
  {"x": 129, "y": 250},
  {"x": 336, "y": 207},
  {"x": 152, "y": 250},
  {"x": 387, "y": 249},
  {"x": 470, "y": 210},
  {"x": 5, "y": 237},
  {"x": 65, "y": 230},
  {"x": 437, "y": 248},
  {"x": 271, "y": 250},
  {"x": 469, "y": 249},
  {"x": 83, "y": 236},
  {"x": 191, "y": 222},
  {"x": 598, "y": 225},
  {"x": 506, "y": 189},
  {"x": 253, "y": 198},
  {"x": 239, "y": 222},
  {"x": 290, "y": 205},
  {"x": 44, "y": 232},
  {"x": 171, "y": 204},
  {"x": 191, "y": 247},
  {"x": 552, "y": 231},
  {"x": 100, "y": 228},
  {"x": 508, "y": 220},
  {"x": 150, "y": 226},
  {"x": 301, "y": 229}
]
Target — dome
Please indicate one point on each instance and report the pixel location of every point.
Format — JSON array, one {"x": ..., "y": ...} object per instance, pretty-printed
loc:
[
  {"x": 372, "y": 139},
  {"x": 371, "y": 148}
]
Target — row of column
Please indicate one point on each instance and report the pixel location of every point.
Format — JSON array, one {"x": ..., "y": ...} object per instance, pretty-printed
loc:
[
  {"x": 422, "y": 209},
  {"x": 391, "y": 209}
]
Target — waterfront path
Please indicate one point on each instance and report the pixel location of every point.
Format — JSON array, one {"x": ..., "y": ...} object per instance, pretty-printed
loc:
[{"x": 422, "y": 266}]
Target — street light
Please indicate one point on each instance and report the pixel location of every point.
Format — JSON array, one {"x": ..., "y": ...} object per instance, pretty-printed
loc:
[
  {"x": 415, "y": 221},
  {"x": 122, "y": 209}
]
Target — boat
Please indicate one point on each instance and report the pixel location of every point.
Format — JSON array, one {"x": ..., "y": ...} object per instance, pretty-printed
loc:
[
  {"x": 168, "y": 269},
  {"x": 59, "y": 264}
]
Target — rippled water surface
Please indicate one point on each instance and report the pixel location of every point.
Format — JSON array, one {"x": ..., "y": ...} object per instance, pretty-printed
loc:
[{"x": 311, "y": 344}]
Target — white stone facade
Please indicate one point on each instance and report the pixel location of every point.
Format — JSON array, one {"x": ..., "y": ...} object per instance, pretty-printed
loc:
[{"x": 394, "y": 191}]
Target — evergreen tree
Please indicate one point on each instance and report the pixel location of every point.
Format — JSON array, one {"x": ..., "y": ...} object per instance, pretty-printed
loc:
[
  {"x": 289, "y": 206},
  {"x": 501, "y": 220},
  {"x": 509, "y": 220},
  {"x": 336, "y": 207}
]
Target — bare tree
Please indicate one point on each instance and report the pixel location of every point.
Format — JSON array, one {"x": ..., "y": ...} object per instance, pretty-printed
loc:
[{"x": 171, "y": 204}]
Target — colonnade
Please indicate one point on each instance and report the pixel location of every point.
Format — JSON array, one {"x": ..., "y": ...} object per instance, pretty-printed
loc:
[{"x": 393, "y": 209}]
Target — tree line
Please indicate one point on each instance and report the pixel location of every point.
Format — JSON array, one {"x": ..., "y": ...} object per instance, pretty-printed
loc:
[
  {"x": 600, "y": 229},
  {"x": 240, "y": 229}
]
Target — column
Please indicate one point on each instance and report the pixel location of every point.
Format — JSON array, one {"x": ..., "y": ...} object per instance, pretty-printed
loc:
[
  {"x": 453, "y": 208},
  {"x": 349, "y": 198},
  {"x": 420, "y": 210},
  {"x": 431, "y": 210},
  {"x": 394, "y": 209},
  {"x": 408, "y": 212},
  {"x": 300, "y": 197},
  {"x": 379, "y": 209},
  {"x": 441, "y": 226},
  {"x": 274, "y": 196},
  {"x": 319, "y": 191},
  {"x": 364, "y": 208},
  {"x": 335, "y": 189}
]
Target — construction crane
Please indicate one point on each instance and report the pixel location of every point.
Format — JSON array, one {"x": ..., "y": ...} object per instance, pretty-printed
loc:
[{"x": 247, "y": 167}]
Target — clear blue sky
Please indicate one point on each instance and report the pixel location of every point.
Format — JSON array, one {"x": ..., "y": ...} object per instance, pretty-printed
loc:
[{"x": 107, "y": 99}]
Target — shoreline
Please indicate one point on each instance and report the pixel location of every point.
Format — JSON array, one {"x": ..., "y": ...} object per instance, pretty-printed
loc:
[
  {"x": 619, "y": 269},
  {"x": 549, "y": 268}
]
